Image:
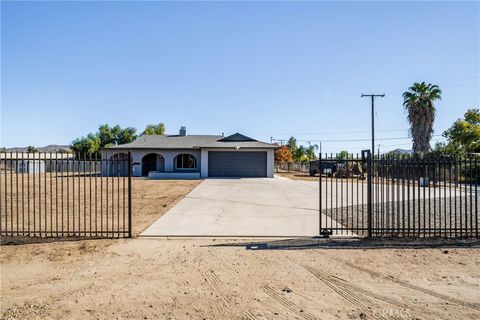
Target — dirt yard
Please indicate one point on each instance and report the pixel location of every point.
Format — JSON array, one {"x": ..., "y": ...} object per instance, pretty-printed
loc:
[
  {"x": 152, "y": 198},
  {"x": 86, "y": 203},
  {"x": 297, "y": 175},
  {"x": 226, "y": 279},
  {"x": 159, "y": 278}
]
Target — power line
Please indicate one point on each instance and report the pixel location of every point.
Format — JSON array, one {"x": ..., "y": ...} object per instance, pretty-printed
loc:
[
  {"x": 336, "y": 132},
  {"x": 353, "y": 140}
]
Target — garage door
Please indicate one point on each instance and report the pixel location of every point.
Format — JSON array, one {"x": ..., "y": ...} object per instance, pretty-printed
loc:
[{"x": 237, "y": 164}]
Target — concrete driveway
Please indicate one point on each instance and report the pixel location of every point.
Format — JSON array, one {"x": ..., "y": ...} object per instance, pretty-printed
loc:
[{"x": 277, "y": 207}]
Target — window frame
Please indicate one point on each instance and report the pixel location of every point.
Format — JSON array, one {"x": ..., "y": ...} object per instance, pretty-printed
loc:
[{"x": 182, "y": 161}]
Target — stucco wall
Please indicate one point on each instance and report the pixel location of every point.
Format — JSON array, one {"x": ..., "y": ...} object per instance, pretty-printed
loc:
[{"x": 168, "y": 155}]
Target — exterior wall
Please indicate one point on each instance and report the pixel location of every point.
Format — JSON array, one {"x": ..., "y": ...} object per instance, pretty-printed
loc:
[
  {"x": 168, "y": 154},
  {"x": 270, "y": 160},
  {"x": 270, "y": 163},
  {"x": 204, "y": 167}
]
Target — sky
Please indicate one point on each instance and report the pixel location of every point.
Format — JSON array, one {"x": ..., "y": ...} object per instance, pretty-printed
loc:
[{"x": 264, "y": 69}]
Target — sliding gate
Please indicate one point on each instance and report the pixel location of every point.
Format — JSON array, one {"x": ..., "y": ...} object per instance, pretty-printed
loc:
[
  {"x": 402, "y": 196},
  {"x": 65, "y": 195}
]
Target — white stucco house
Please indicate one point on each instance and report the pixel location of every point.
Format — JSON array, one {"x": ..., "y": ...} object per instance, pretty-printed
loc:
[{"x": 195, "y": 156}]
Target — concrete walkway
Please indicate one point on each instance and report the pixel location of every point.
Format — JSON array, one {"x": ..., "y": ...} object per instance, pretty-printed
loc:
[{"x": 277, "y": 207}]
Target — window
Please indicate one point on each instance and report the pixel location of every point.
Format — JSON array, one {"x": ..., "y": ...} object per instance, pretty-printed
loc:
[{"x": 185, "y": 161}]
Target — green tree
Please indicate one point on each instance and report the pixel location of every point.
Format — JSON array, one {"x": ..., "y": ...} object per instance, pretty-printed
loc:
[
  {"x": 104, "y": 137},
  {"x": 300, "y": 154},
  {"x": 343, "y": 155},
  {"x": 105, "y": 134},
  {"x": 310, "y": 152},
  {"x": 115, "y": 135},
  {"x": 127, "y": 135},
  {"x": 292, "y": 144},
  {"x": 31, "y": 149},
  {"x": 418, "y": 101},
  {"x": 88, "y": 145},
  {"x": 464, "y": 135},
  {"x": 154, "y": 129}
]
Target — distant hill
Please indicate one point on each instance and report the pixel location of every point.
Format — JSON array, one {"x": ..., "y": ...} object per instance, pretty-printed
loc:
[{"x": 49, "y": 148}]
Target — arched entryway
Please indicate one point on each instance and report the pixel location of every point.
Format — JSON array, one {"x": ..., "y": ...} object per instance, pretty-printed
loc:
[{"x": 152, "y": 162}]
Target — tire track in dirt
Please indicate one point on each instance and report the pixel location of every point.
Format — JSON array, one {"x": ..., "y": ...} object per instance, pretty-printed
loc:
[
  {"x": 248, "y": 315},
  {"x": 222, "y": 300},
  {"x": 358, "y": 300},
  {"x": 405, "y": 284},
  {"x": 226, "y": 303},
  {"x": 359, "y": 291},
  {"x": 289, "y": 304}
]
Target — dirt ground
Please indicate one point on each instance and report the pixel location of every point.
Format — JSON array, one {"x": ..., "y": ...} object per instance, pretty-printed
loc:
[
  {"x": 152, "y": 198},
  {"x": 297, "y": 175},
  {"x": 176, "y": 278},
  {"x": 147, "y": 278},
  {"x": 86, "y": 203}
]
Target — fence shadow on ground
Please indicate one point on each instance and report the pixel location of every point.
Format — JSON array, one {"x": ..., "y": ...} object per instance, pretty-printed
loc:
[
  {"x": 16, "y": 241},
  {"x": 362, "y": 244}
]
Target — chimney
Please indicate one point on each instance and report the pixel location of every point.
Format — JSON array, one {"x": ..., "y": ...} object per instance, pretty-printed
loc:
[{"x": 183, "y": 131}]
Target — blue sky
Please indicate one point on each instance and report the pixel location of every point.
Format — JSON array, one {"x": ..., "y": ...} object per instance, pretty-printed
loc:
[{"x": 261, "y": 68}]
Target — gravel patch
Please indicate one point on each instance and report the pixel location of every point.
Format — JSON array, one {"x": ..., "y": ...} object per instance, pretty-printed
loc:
[{"x": 440, "y": 217}]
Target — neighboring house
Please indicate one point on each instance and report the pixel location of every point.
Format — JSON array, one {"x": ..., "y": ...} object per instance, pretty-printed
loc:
[{"x": 195, "y": 156}]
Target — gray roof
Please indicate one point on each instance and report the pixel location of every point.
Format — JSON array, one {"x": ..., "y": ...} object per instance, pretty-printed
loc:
[{"x": 193, "y": 142}]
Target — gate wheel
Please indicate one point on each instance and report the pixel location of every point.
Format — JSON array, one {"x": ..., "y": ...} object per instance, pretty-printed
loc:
[{"x": 326, "y": 233}]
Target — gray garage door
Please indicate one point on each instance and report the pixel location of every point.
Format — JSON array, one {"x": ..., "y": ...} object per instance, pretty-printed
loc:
[{"x": 237, "y": 164}]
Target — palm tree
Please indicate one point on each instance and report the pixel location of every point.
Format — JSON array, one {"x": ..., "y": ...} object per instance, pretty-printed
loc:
[
  {"x": 292, "y": 144},
  {"x": 310, "y": 152},
  {"x": 299, "y": 154},
  {"x": 418, "y": 101}
]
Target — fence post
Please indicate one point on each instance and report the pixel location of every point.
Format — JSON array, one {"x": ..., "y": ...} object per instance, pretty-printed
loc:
[
  {"x": 129, "y": 194},
  {"x": 369, "y": 192},
  {"x": 319, "y": 166}
]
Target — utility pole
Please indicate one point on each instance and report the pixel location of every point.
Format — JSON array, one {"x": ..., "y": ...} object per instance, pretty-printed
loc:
[
  {"x": 279, "y": 141},
  {"x": 373, "y": 96}
]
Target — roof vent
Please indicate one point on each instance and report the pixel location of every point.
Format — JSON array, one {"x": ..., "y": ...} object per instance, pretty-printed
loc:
[{"x": 183, "y": 131}]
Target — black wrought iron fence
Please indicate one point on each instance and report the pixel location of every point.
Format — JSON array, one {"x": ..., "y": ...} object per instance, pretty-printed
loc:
[
  {"x": 65, "y": 195},
  {"x": 404, "y": 196}
]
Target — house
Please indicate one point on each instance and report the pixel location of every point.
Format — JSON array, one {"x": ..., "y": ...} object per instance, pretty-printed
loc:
[{"x": 195, "y": 156}]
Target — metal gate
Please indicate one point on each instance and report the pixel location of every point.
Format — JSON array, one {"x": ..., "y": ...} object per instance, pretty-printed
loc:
[
  {"x": 402, "y": 196},
  {"x": 65, "y": 195}
]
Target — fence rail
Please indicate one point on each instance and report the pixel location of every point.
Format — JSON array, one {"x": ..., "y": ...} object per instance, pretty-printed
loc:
[
  {"x": 407, "y": 196},
  {"x": 53, "y": 195}
]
